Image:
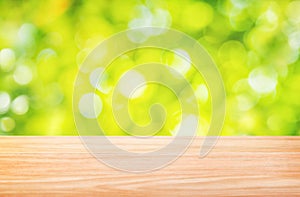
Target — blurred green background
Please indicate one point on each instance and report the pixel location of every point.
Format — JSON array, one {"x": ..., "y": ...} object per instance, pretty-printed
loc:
[{"x": 255, "y": 44}]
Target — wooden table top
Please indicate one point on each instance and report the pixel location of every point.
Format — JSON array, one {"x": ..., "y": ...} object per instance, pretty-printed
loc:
[{"x": 237, "y": 166}]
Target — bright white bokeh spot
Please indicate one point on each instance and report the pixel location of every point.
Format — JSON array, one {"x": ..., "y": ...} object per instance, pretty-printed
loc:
[
  {"x": 271, "y": 16},
  {"x": 181, "y": 62},
  {"x": 20, "y": 105},
  {"x": 26, "y": 34},
  {"x": 144, "y": 19},
  {"x": 268, "y": 20},
  {"x": 148, "y": 18},
  {"x": 239, "y": 3},
  {"x": 99, "y": 80},
  {"x": 23, "y": 75},
  {"x": 138, "y": 35},
  {"x": 90, "y": 106},
  {"x": 160, "y": 18},
  {"x": 187, "y": 126},
  {"x": 294, "y": 40},
  {"x": 4, "y": 102},
  {"x": 7, "y": 124},
  {"x": 7, "y": 59},
  {"x": 263, "y": 80},
  {"x": 202, "y": 93},
  {"x": 95, "y": 77},
  {"x": 132, "y": 84}
]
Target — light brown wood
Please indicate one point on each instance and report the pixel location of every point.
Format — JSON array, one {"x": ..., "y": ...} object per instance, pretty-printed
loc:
[{"x": 237, "y": 166}]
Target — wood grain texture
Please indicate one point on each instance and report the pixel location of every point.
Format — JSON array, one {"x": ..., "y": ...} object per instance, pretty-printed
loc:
[{"x": 237, "y": 166}]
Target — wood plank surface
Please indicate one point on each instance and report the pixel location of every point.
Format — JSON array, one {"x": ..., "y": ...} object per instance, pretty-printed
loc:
[{"x": 237, "y": 166}]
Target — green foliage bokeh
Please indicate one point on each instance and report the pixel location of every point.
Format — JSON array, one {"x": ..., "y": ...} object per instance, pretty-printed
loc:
[{"x": 255, "y": 44}]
